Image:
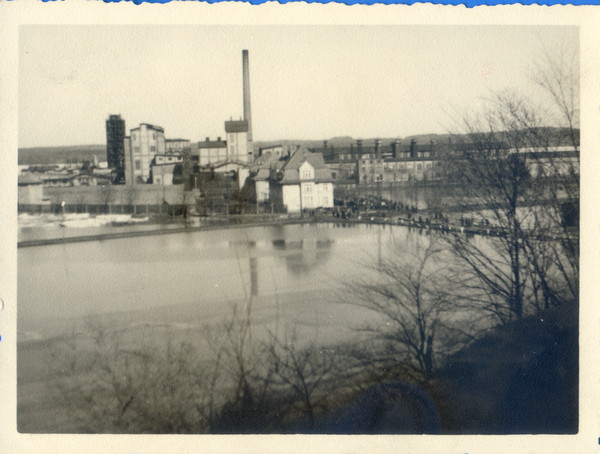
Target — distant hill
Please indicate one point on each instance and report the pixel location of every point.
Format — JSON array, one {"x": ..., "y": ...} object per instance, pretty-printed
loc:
[
  {"x": 81, "y": 153},
  {"x": 58, "y": 155}
]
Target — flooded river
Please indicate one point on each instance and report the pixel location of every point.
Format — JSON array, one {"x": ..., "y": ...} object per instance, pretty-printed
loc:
[{"x": 293, "y": 272}]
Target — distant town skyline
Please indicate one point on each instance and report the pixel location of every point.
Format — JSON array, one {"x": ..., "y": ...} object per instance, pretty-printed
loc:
[{"x": 307, "y": 82}]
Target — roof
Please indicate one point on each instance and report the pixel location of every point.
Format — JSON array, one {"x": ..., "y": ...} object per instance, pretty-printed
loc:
[
  {"x": 149, "y": 126},
  {"x": 271, "y": 147},
  {"x": 236, "y": 126},
  {"x": 212, "y": 144},
  {"x": 291, "y": 168},
  {"x": 262, "y": 175},
  {"x": 29, "y": 178},
  {"x": 301, "y": 155},
  {"x": 263, "y": 160}
]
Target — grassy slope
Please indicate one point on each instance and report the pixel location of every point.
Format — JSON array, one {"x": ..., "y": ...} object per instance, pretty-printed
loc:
[{"x": 519, "y": 378}]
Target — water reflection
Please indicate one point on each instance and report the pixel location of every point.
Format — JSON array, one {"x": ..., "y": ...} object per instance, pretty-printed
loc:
[
  {"x": 205, "y": 270},
  {"x": 311, "y": 254},
  {"x": 253, "y": 276}
]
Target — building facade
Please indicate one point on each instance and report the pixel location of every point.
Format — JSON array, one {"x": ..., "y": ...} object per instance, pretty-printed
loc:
[
  {"x": 163, "y": 168},
  {"x": 176, "y": 145},
  {"x": 143, "y": 144},
  {"x": 238, "y": 149},
  {"x": 210, "y": 152}
]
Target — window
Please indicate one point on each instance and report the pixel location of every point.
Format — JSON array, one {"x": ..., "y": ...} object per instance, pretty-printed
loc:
[
  {"x": 154, "y": 136},
  {"x": 136, "y": 149},
  {"x": 306, "y": 174},
  {"x": 307, "y": 188},
  {"x": 152, "y": 148},
  {"x": 325, "y": 201},
  {"x": 138, "y": 164},
  {"x": 157, "y": 180}
]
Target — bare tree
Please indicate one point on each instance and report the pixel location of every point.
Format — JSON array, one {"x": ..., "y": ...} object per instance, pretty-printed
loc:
[
  {"x": 557, "y": 73},
  {"x": 416, "y": 316},
  {"x": 518, "y": 170},
  {"x": 110, "y": 386},
  {"x": 304, "y": 372}
]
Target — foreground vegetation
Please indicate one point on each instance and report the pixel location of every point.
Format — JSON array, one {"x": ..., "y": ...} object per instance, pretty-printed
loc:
[{"x": 519, "y": 378}]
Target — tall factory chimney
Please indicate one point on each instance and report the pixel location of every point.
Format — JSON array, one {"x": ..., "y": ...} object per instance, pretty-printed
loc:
[{"x": 247, "y": 110}]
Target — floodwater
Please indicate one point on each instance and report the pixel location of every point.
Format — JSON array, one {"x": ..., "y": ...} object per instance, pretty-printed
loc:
[{"x": 293, "y": 273}]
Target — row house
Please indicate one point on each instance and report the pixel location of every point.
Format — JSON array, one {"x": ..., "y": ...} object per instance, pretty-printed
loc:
[{"x": 378, "y": 162}]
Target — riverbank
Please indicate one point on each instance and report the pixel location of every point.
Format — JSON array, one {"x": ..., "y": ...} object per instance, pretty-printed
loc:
[{"x": 162, "y": 225}]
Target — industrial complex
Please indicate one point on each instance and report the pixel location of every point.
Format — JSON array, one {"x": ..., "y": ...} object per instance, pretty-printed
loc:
[{"x": 224, "y": 173}]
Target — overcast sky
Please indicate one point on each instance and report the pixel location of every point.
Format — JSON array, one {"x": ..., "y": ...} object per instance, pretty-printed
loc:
[{"x": 307, "y": 82}]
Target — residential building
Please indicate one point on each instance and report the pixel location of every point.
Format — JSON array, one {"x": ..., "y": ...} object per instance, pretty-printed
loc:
[
  {"x": 261, "y": 172},
  {"x": 302, "y": 183}
]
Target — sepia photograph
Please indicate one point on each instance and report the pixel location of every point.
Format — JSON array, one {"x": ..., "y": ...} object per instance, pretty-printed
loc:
[
  {"x": 299, "y": 228},
  {"x": 303, "y": 229}
]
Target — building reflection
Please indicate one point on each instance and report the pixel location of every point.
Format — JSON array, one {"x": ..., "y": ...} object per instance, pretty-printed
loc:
[{"x": 303, "y": 256}]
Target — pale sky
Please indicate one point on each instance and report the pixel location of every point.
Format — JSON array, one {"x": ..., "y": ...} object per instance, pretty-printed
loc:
[{"x": 307, "y": 82}]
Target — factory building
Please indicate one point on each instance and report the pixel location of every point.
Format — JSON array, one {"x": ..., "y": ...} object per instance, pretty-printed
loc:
[
  {"x": 176, "y": 145},
  {"x": 141, "y": 146},
  {"x": 115, "y": 151},
  {"x": 164, "y": 168},
  {"x": 234, "y": 154},
  {"x": 210, "y": 152},
  {"x": 238, "y": 146}
]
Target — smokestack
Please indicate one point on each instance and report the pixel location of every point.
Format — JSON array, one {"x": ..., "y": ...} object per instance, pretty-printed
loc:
[{"x": 247, "y": 113}]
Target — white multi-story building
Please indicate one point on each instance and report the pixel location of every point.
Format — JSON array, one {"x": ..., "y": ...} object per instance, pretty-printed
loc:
[
  {"x": 141, "y": 146},
  {"x": 303, "y": 183}
]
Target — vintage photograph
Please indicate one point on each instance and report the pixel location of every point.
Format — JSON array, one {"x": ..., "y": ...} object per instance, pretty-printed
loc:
[{"x": 299, "y": 229}]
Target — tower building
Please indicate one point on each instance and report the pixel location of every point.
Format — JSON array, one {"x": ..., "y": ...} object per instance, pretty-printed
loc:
[{"x": 115, "y": 151}]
